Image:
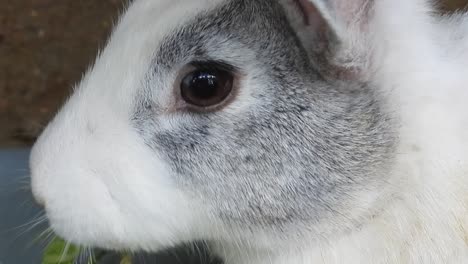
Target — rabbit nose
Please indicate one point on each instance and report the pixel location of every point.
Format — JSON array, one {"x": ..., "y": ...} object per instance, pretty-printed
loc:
[
  {"x": 39, "y": 201},
  {"x": 37, "y": 186},
  {"x": 38, "y": 198}
]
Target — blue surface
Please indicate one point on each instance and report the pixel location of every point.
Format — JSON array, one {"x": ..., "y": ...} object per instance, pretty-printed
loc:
[{"x": 17, "y": 208}]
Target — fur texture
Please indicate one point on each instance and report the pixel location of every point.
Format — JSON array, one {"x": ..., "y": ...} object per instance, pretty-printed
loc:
[{"x": 345, "y": 143}]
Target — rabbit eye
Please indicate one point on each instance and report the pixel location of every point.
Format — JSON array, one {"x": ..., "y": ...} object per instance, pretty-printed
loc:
[{"x": 206, "y": 87}]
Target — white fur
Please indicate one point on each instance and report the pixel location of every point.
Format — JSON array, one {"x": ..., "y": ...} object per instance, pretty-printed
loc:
[
  {"x": 419, "y": 61},
  {"x": 90, "y": 154}
]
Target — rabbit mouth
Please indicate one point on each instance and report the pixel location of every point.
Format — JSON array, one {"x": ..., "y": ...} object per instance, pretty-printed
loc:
[{"x": 112, "y": 229}]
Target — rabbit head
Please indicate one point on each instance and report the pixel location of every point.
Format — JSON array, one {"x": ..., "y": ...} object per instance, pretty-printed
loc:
[{"x": 231, "y": 121}]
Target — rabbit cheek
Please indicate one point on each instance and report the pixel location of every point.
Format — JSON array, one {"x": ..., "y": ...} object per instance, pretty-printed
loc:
[
  {"x": 292, "y": 150},
  {"x": 283, "y": 169}
]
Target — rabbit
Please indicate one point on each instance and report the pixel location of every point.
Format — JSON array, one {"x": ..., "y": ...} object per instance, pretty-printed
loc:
[{"x": 277, "y": 131}]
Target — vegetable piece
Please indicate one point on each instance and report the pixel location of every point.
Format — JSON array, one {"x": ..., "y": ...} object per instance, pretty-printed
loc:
[
  {"x": 126, "y": 259},
  {"x": 60, "y": 252}
]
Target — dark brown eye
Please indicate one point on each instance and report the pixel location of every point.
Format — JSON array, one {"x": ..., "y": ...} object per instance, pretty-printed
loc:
[{"x": 205, "y": 88}]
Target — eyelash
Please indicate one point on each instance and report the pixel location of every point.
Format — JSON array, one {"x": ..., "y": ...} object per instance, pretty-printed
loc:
[{"x": 213, "y": 65}]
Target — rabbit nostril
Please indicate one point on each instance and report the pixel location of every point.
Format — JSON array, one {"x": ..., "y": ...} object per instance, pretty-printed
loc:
[{"x": 39, "y": 201}]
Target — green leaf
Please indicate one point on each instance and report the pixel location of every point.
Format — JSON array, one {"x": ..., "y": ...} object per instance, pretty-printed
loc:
[
  {"x": 126, "y": 260},
  {"x": 60, "y": 252}
]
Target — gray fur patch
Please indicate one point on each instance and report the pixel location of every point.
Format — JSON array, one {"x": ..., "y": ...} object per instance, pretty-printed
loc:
[{"x": 300, "y": 155}]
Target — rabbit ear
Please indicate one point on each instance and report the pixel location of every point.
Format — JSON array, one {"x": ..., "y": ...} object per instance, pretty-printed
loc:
[
  {"x": 332, "y": 31},
  {"x": 339, "y": 16}
]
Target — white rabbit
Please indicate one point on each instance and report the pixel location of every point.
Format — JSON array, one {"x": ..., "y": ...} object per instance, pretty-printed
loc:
[{"x": 279, "y": 131}]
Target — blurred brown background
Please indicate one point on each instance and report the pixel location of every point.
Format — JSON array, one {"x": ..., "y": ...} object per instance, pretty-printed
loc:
[{"x": 45, "y": 46}]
